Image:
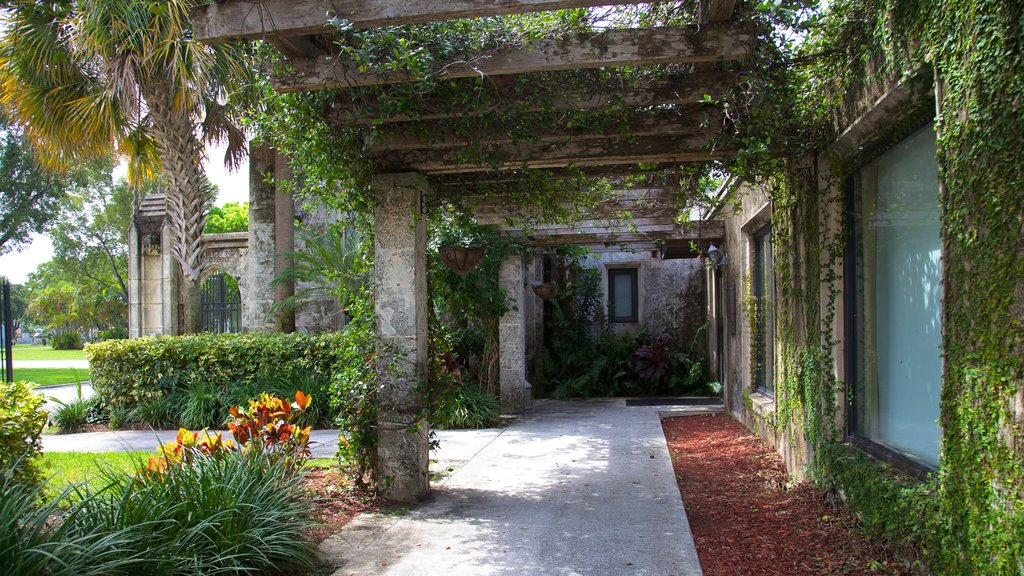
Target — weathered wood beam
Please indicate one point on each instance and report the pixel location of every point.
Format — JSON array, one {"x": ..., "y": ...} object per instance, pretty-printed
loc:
[
  {"x": 607, "y": 152},
  {"x": 713, "y": 11},
  {"x": 655, "y": 175},
  {"x": 656, "y": 206},
  {"x": 440, "y": 135},
  {"x": 637, "y": 225},
  {"x": 678, "y": 90},
  {"x": 580, "y": 51},
  {"x": 697, "y": 231},
  {"x": 222, "y": 21}
]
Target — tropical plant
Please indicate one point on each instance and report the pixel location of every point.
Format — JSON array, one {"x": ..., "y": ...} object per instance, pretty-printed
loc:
[
  {"x": 157, "y": 412},
  {"x": 73, "y": 415},
  {"x": 126, "y": 77},
  {"x": 32, "y": 542},
  {"x": 332, "y": 262},
  {"x": 467, "y": 407},
  {"x": 200, "y": 405},
  {"x": 234, "y": 513}
]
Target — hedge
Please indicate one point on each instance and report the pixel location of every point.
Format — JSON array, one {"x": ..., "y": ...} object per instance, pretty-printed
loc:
[
  {"x": 127, "y": 372},
  {"x": 21, "y": 422}
]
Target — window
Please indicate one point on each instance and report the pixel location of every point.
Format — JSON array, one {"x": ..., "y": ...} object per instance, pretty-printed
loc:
[
  {"x": 895, "y": 317},
  {"x": 764, "y": 296},
  {"x": 622, "y": 295}
]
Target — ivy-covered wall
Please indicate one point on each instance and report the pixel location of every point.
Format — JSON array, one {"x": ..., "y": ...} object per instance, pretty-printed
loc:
[{"x": 969, "y": 517}]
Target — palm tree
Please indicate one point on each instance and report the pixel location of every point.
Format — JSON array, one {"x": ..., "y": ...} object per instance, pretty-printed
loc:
[{"x": 89, "y": 77}]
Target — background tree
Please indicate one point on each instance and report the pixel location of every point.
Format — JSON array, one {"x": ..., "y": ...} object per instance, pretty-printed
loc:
[
  {"x": 95, "y": 77},
  {"x": 90, "y": 238},
  {"x": 29, "y": 197},
  {"x": 232, "y": 217}
]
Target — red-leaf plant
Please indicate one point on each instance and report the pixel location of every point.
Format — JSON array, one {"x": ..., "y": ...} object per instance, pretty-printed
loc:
[
  {"x": 264, "y": 426},
  {"x": 653, "y": 363}
]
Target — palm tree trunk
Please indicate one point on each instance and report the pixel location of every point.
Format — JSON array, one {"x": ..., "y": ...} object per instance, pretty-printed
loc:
[{"x": 187, "y": 197}]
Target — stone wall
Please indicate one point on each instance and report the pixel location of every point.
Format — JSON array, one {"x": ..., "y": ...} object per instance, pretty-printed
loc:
[{"x": 671, "y": 295}]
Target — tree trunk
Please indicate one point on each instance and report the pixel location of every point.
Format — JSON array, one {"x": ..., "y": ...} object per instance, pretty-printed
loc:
[
  {"x": 191, "y": 319},
  {"x": 187, "y": 194}
]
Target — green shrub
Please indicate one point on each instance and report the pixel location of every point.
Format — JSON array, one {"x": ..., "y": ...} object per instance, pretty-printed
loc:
[
  {"x": 71, "y": 416},
  {"x": 127, "y": 372},
  {"x": 468, "y": 407},
  {"x": 157, "y": 413},
  {"x": 239, "y": 514},
  {"x": 32, "y": 543},
  {"x": 200, "y": 406},
  {"x": 67, "y": 341},
  {"x": 22, "y": 418}
]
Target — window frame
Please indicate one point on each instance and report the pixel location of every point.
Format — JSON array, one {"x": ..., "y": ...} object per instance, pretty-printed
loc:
[
  {"x": 763, "y": 335},
  {"x": 633, "y": 273},
  {"x": 853, "y": 319}
]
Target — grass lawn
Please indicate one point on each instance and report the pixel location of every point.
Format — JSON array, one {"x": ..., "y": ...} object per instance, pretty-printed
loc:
[
  {"x": 30, "y": 352},
  {"x": 48, "y": 376},
  {"x": 63, "y": 468}
]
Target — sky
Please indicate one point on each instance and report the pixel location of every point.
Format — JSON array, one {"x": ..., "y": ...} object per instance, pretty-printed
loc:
[{"x": 234, "y": 187}]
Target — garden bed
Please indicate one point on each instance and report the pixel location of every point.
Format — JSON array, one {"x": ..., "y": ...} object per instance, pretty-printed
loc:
[{"x": 746, "y": 520}]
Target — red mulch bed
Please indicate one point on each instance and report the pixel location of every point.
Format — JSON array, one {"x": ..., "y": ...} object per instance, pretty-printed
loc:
[
  {"x": 337, "y": 501},
  {"x": 745, "y": 521}
]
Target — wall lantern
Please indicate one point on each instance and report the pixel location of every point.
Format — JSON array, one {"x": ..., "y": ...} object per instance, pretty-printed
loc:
[
  {"x": 545, "y": 291},
  {"x": 717, "y": 257},
  {"x": 460, "y": 259}
]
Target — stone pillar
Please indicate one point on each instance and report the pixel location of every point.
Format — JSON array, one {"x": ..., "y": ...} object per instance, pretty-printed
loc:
[
  {"x": 171, "y": 311},
  {"x": 400, "y": 285},
  {"x": 261, "y": 241},
  {"x": 284, "y": 236},
  {"x": 512, "y": 337},
  {"x": 134, "y": 283}
]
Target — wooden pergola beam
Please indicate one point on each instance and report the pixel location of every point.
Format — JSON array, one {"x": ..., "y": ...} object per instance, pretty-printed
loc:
[
  {"x": 439, "y": 135},
  {"x": 655, "y": 175},
  {"x": 580, "y": 51},
  {"x": 223, "y": 21},
  {"x": 606, "y": 152},
  {"x": 698, "y": 230},
  {"x": 680, "y": 90}
]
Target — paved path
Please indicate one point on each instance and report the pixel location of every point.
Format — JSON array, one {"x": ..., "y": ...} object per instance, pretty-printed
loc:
[
  {"x": 64, "y": 393},
  {"x": 457, "y": 446},
  {"x": 573, "y": 488}
]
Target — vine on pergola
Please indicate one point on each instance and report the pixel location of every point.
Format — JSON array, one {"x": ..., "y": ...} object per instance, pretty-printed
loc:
[{"x": 338, "y": 138}]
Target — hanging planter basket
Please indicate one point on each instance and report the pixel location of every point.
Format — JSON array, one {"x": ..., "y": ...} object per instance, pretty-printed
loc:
[
  {"x": 460, "y": 259},
  {"x": 545, "y": 291}
]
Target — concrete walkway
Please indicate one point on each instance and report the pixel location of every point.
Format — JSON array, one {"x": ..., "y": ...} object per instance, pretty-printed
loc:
[{"x": 573, "y": 488}]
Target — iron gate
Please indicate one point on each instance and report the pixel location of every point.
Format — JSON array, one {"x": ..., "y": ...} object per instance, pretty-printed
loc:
[
  {"x": 220, "y": 304},
  {"x": 6, "y": 332}
]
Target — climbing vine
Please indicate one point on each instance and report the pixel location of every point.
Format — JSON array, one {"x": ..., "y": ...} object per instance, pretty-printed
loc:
[
  {"x": 811, "y": 69},
  {"x": 966, "y": 519}
]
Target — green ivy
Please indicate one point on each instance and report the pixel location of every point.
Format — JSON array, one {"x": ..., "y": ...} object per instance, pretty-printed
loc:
[{"x": 969, "y": 517}]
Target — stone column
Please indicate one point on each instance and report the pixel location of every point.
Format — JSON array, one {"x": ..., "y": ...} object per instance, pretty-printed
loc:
[
  {"x": 400, "y": 285},
  {"x": 134, "y": 283},
  {"x": 261, "y": 241},
  {"x": 512, "y": 337}
]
